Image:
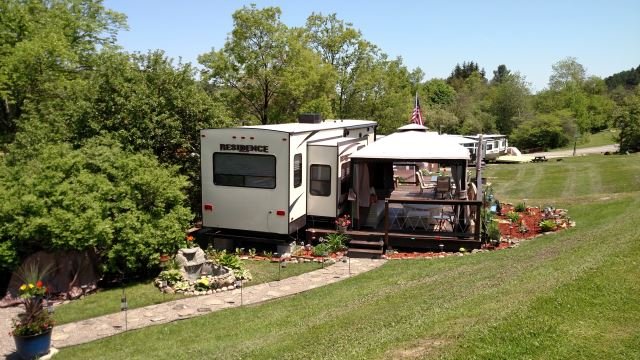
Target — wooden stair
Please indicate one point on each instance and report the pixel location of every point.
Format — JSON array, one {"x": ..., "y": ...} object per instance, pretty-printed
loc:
[{"x": 370, "y": 248}]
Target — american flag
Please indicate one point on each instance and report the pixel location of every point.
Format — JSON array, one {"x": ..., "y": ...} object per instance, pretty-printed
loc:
[{"x": 416, "y": 116}]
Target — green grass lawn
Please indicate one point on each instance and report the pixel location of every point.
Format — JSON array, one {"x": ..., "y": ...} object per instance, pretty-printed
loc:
[
  {"x": 570, "y": 295},
  {"x": 605, "y": 137},
  {"x": 143, "y": 294}
]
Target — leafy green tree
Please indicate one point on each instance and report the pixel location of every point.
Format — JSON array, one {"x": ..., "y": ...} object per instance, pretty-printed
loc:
[
  {"x": 352, "y": 57},
  {"x": 45, "y": 43},
  {"x": 544, "y": 130},
  {"x": 142, "y": 100},
  {"x": 628, "y": 79},
  {"x": 460, "y": 74},
  {"x": 127, "y": 207},
  {"x": 472, "y": 106},
  {"x": 567, "y": 73},
  {"x": 386, "y": 96},
  {"x": 509, "y": 101},
  {"x": 260, "y": 63},
  {"x": 627, "y": 119},
  {"x": 438, "y": 92},
  {"x": 500, "y": 74}
]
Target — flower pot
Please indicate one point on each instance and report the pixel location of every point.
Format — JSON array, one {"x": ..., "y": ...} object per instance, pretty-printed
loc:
[
  {"x": 341, "y": 229},
  {"x": 33, "y": 346}
]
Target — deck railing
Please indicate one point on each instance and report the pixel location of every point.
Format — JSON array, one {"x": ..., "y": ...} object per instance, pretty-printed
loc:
[{"x": 457, "y": 206}]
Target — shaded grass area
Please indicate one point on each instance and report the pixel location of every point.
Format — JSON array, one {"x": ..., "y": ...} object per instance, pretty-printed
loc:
[
  {"x": 144, "y": 294},
  {"x": 569, "y": 295},
  {"x": 606, "y": 137}
]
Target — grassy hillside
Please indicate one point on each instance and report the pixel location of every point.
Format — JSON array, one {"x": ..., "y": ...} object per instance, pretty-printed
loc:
[
  {"x": 570, "y": 295},
  {"x": 605, "y": 137}
]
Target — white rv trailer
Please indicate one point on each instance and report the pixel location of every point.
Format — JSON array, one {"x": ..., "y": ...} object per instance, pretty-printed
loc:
[
  {"x": 495, "y": 145},
  {"x": 267, "y": 182}
]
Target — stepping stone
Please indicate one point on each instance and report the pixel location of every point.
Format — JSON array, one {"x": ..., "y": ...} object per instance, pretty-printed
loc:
[
  {"x": 70, "y": 328},
  {"x": 148, "y": 314},
  {"x": 186, "y": 312},
  {"x": 273, "y": 293},
  {"x": 157, "y": 319},
  {"x": 180, "y": 307},
  {"x": 58, "y": 336},
  {"x": 214, "y": 302},
  {"x": 204, "y": 309}
]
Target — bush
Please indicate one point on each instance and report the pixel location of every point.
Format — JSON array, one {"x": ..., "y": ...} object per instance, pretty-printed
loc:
[
  {"x": 336, "y": 242},
  {"x": 126, "y": 206},
  {"x": 544, "y": 131},
  {"x": 547, "y": 225},
  {"x": 520, "y": 207},
  {"x": 513, "y": 216},
  {"x": 627, "y": 119},
  {"x": 321, "y": 249},
  {"x": 493, "y": 231}
]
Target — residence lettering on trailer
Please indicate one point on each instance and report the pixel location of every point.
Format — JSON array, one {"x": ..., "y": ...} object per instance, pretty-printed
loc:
[{"x": 244, "y": 148}]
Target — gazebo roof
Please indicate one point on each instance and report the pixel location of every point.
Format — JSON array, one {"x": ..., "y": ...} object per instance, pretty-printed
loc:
[{"x": 414, "y": 146}]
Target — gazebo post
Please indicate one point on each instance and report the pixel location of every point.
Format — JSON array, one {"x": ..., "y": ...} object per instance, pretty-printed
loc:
[{"x": 386, "y": 224}]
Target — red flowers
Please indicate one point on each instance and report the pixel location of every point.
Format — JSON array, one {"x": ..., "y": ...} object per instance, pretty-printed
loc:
[{"x": 39, "y": 284}]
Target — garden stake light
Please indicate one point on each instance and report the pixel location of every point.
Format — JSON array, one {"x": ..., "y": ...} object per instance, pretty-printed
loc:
[
  {"x": 124, "y": 307},
  {"x": 239, "y": 284}
]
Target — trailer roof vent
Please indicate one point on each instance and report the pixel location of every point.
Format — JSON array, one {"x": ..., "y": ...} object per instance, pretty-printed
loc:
[{"x": 310, "y": 118}]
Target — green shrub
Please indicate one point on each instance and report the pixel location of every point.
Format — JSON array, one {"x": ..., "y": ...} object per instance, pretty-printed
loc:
[
  {"x": 127, "y": 207},
  {"x": 336, "y": 242},
  {"x": 493, "y": 231},
  {"x": 547, "y": 225},
  {"x": 230, "y": 261},
  {"x": 171, "y": 276},
  {"x": 321, "y": 249},
  {"x": 513, "y": 216},
  {"x": 520, "y": 207}
]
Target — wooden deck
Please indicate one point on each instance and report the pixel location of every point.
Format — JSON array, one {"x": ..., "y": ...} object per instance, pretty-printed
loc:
[{"x": 398, "y": 240}]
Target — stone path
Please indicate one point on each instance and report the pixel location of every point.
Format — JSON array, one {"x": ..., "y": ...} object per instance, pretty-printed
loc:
[{"x": 108, "y": 325}]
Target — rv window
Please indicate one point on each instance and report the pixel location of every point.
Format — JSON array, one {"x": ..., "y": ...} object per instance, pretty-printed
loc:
[
  {"x": 320, "y": 180},
  {"x": 244, "y": 170},
  {"x": 297, "y": 170},
  {"x": 489, "y": 146}
]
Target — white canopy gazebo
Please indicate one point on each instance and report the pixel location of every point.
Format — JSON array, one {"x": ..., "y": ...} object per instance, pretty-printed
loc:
[{"x": 411, "y": 145}]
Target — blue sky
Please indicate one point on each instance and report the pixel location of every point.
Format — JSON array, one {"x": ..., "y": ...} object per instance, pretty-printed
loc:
[{"x": 527, "y": 36}]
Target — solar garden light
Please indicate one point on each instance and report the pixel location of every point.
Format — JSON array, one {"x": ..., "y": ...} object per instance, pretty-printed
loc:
[
  {"x": 278, "y": 256},
  {"x": 50, "y": 308},
  {"x": 239, "y": 285},
  {"x": 124, "y": 306},
  {"x": 441, "y": 246}
]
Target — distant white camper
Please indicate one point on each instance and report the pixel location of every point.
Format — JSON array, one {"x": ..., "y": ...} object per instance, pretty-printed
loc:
[
  {"x": 495, "y": 145},
  {"x": 267, "y": 182}
]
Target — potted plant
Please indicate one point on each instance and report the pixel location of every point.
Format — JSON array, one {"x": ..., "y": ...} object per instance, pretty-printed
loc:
[
  {"x": 342, "y": 223},
  {"x": 32, "y": 330}
]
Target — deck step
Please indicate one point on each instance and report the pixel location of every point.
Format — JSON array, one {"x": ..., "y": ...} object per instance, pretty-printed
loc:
[
  {"x": 365, "y": 243},
  {"x": 365, "y": 253}
]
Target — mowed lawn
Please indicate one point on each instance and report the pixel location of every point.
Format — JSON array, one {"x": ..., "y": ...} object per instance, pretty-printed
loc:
[
  {"x": 146, "y": 293},
  {"x": 571, "y": 295}
]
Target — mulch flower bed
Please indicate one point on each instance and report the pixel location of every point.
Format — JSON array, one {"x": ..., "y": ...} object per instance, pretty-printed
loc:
[{"x": 527, "y": 227}]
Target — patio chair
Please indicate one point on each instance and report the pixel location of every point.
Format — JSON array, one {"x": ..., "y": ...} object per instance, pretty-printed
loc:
[
  {"x": 423, "y": 185},
  {"x": 443, "y": 186}
]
